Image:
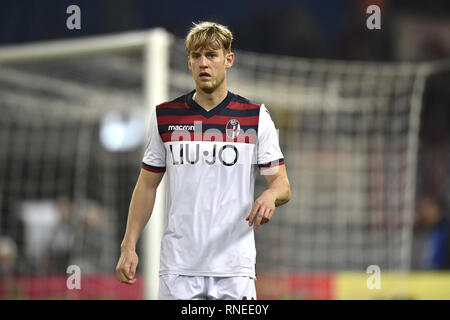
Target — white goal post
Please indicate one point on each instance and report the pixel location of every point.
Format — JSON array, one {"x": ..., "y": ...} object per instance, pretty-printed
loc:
[{"x": 155, "y": 44}]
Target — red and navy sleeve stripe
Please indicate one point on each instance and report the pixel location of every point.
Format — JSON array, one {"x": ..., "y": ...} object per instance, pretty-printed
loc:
[
  {"x": 271, "y": 164},
  {"x": 152, "y": 168}
]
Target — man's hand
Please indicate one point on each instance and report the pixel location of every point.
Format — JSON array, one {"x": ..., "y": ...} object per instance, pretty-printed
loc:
[
  {"x": 126, "y": 267},
  {"x": 263, "y": 209}
]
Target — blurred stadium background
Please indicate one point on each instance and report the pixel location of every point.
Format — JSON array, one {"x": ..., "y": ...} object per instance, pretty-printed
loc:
[{"x": 363, "y": 118}]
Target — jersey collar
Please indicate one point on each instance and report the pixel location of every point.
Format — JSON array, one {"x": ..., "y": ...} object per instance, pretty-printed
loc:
[{"x": 208, "y": 114}]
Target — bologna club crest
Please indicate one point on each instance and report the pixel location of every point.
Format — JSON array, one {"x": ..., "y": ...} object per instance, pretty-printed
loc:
[{"x": 233, "y": 128}]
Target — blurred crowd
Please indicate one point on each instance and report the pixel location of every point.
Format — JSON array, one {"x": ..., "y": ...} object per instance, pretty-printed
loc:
[
  {"x": 51, "y": 235},
  {"x": 431, "y": 246}
]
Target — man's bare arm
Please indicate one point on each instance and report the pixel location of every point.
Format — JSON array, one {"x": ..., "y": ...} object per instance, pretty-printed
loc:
[
  {"x": 279, "y": 184},
  {"x": 141, "y": 206},
  {"x": 277, "y": 194}
]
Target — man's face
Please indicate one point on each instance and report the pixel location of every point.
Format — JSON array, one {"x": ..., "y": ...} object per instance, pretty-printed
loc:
[{"x": 209, "y": 67}]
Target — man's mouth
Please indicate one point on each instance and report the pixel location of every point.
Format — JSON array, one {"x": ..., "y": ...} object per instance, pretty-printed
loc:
[{"x": 204, "y": 75}]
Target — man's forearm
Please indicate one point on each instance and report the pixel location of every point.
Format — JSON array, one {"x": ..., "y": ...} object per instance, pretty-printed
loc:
[
  {"x": 141, "y": 206},
  {"x": 281, "y": 190}
]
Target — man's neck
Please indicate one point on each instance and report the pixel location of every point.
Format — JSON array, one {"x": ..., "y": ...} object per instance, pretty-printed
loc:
[{"x": 209, "y": 101}]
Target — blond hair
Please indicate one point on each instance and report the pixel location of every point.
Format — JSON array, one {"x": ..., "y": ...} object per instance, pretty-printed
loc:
[{"x": 208, "y": 35}]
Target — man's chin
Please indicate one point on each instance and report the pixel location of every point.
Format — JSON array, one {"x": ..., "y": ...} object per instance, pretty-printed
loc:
[{"x": 207, "y": 88}]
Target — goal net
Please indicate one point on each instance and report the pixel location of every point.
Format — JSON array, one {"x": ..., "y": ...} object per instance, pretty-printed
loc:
[
  {"x": 349, "y": 134},
  {"x": 72, "y": 133}
]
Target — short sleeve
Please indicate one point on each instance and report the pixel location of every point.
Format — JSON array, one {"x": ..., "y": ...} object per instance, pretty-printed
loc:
[
  {"x": 268, "y": 148},
  {"x": 155, "y": 153}
]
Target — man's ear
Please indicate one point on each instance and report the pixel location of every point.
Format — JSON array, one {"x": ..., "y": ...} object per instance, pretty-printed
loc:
[
  {"x": 229, "y": 59},
  {"x": 189, "y": 62}
]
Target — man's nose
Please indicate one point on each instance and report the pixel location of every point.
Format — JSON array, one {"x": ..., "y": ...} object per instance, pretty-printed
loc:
[{"x": 203, "y": 61}]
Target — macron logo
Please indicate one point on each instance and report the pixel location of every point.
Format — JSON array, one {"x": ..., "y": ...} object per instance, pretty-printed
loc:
[{"x": 178, "y": 127}]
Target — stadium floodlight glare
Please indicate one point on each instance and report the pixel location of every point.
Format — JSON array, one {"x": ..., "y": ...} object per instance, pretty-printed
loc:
[{"x": 121, "y": 131}]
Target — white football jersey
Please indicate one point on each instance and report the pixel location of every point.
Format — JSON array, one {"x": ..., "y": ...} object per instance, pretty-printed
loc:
[{"x": 211, "y": 159}]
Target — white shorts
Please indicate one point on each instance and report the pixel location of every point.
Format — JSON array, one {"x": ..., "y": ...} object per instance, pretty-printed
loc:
[{"x": 178, "y": 287}]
